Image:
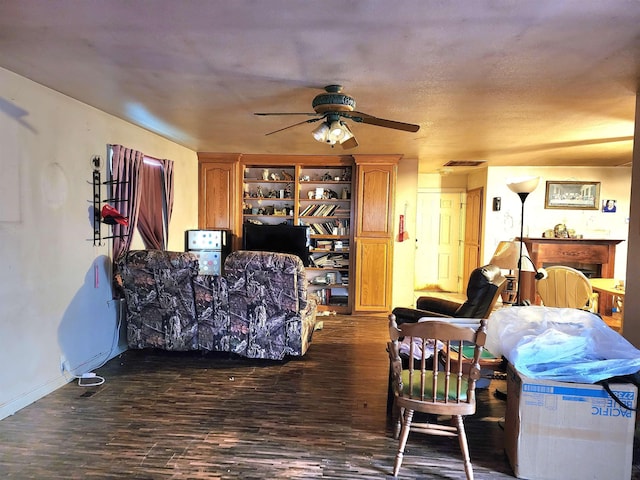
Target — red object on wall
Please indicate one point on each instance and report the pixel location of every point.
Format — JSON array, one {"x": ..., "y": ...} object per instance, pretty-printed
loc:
[
  {"x": 402, "y": 235},
  {"x": 111, "y": 216}
]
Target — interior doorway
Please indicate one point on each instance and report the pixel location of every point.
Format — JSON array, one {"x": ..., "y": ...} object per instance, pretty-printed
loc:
[
  {"x": 473, "y": 232},
  {"x": 439, "y": 241}
]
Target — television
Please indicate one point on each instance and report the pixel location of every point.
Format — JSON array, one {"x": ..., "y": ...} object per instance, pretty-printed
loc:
[{"x": 282, "y": 238}]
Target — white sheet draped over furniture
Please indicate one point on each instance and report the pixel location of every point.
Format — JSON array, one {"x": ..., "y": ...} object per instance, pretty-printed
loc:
[{"x": 563, "y": 344}]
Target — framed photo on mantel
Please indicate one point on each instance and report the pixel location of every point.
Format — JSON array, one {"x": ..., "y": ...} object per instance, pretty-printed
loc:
[{"x": 572, "y": 195}]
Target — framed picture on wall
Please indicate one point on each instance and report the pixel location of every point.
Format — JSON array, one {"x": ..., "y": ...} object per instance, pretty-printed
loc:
[
  {"x": 609, "y": 206},
  {"x": 572, "y": 195}
]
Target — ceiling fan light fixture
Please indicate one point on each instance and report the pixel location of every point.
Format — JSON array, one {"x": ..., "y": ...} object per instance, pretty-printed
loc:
[
  {"x": 346, "y": 133},
  {"x": 336, "y": 131},
  {"x": 321, "y": 132}
]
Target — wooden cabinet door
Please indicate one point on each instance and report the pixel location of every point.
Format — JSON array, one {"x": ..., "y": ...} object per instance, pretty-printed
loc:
[
  {"x": 472, "y": 232},
  {"x": 375, "y": 195},
  {"x": 217, "y": 199},
  {"x": 375, "y": 185},
  {"x": 373, "y": 268}
]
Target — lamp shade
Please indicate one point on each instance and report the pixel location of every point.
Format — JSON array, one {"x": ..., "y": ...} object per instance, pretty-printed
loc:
[
  {"x": 523, "y": 184},
  {"x": 321, "y": 133},
  {"x": 506, "y": 256}
]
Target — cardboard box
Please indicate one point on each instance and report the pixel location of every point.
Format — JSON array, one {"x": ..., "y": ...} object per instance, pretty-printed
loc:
[{"x": 566, "y": 431}]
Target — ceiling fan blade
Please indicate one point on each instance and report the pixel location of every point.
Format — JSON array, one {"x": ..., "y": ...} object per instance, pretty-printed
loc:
[
  {"x": 382, "y": 122},
  {"x": 295, "y": 125},
  {"x": 309, "y": 114}
]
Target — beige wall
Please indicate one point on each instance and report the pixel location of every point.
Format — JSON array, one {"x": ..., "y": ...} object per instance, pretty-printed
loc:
[
  {"x": 504, "y": 225},
  {"x": 404, "y": 252},
  {"x": 51, "y": 304}
]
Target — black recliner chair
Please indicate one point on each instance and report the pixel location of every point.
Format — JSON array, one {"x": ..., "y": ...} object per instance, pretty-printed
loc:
[{"x": 485, "y": 286}]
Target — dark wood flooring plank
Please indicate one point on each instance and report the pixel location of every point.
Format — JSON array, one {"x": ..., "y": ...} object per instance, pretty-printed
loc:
[{"x": 168, "y": 415}]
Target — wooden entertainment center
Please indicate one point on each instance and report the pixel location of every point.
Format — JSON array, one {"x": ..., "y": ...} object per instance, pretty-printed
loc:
[{"x": 359, "y": 204}]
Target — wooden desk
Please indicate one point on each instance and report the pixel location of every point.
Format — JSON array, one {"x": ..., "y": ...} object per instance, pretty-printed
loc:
[{"x": 606, "y": 289}]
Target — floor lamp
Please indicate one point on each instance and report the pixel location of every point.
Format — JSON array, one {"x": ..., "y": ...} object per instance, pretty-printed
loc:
[{"x": 523, "y": 187}]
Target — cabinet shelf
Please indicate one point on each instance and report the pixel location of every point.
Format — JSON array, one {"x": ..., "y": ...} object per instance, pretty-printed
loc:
[
  {"x": 327, "y": 182},
  {"x": 285, "y": 182},
  {"x": 271, "y": 199},
  {"x": 340, "y": 215},
  {"x": 324, "y": 200},
  {"x": 320, "y": 250},
  {"x": 328, "y": 269},
  {"x": 329, "y": 237}
]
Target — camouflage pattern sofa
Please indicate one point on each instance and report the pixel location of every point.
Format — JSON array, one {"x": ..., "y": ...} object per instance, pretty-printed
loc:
[
  {"x": 170, "y": 306},
  {"x": 270, "y": 312}
]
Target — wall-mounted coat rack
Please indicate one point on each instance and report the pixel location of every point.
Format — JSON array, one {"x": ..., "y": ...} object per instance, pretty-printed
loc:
[{"x": 97, "y": 205}]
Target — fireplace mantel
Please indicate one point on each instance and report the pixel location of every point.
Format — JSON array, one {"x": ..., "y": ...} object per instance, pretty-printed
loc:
[{"x": 597, "y": 253}]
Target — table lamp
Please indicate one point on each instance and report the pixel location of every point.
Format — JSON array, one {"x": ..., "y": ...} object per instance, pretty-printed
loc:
[{"x": 506, "y": 257}]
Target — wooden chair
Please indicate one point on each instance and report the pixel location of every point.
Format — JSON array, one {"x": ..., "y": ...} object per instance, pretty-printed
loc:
[
  {"x": 565, "y": 287},
  {"x": 431, "y": 384}
]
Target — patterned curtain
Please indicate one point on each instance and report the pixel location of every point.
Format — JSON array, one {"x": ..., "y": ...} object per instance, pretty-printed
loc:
[{"x": 125, "y": 194}]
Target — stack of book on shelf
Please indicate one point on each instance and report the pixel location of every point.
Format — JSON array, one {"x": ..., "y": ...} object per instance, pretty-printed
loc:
[
  {"x": 345, "y": 279},
  {"x": 334, "y": 227},
  {"x": 330, "y": 260},
  {"x": 322, "y": 210},
  {"x": 341, "y": 245},
  {"x": 323, "y": 244}
]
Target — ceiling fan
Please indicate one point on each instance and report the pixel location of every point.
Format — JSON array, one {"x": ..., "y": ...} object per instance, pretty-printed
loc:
[{"x": 333, "y": 106}]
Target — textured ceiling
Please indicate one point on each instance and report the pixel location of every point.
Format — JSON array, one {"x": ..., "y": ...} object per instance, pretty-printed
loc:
[{"x": 545, "y": 82}]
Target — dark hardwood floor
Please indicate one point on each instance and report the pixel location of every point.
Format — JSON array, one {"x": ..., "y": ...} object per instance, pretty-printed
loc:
[{"x": 163, "y": 415}]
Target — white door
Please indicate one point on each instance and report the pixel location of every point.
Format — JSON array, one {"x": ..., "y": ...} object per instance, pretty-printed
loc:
[{"x": 438, "y": 241}]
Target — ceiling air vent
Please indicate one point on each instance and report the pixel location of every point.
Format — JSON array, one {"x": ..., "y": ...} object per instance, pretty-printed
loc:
[{"x": 464, "y": 163}]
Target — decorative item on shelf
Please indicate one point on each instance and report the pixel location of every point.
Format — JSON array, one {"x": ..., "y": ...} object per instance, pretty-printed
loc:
[
  {"x": 265, "y": 174},
  {"x": 330, "y": 194},
  {"x": 560, "y": 231},
  {"x": 523, "y": 187},
  {"x": 345, "y": 193},
  {"x": 287, "y": 176},
  {"x": 275, "y": 177}
]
